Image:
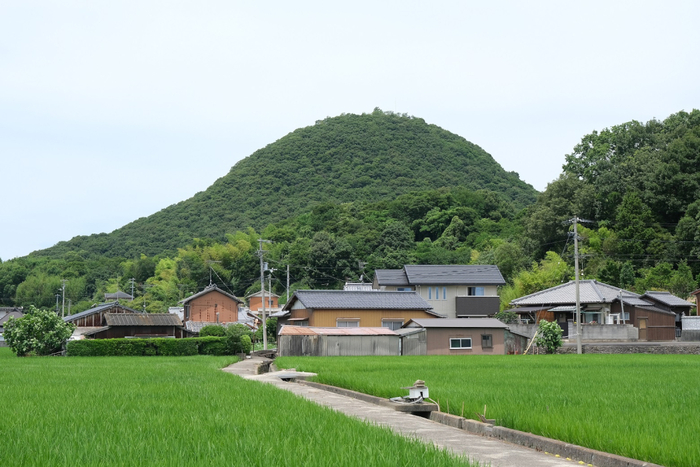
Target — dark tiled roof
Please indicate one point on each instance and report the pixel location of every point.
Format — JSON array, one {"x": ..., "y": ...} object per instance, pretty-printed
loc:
[
  {"x": 667, "y": 298},
  {"x": 211, "y": 288},
  {"x": 142, "y": 319},
  {"x": 458, "y": 274},
  {"x": 360, "y": 300},
  {"x": 490, "y": 323},
  {"x": 99, "y": 308}
]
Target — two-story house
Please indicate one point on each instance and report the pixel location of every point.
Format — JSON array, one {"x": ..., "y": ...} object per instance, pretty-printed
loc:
[{"x": 456, "y": 291}]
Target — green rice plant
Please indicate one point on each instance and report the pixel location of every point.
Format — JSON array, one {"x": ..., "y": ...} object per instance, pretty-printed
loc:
[
  {"x": 178, "y": 411},
  {"x": 639, "y": 406}
]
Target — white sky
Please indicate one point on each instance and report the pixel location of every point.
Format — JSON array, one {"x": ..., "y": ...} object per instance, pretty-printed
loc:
[{"x": 111, "y": 111}]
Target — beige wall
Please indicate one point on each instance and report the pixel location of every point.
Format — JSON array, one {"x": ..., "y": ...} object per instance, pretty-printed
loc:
[
  {"x": 438, "y": 341},
  {"x": 368, "y": 318},
  {"x": 205, "y": 307}
]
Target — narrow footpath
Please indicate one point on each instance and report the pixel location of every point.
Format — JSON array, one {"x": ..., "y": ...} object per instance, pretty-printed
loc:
[{"x": 486, "y": 451}]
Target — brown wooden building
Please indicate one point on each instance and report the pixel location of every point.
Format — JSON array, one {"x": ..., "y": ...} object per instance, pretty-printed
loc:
[
  {"x": 94, "y": 317},
  {"x": 342, "y": 308},
  {"x": 138, "y": 325},
  {"x": 211, "y": 305},
  {"x": 653, "y": 322}
]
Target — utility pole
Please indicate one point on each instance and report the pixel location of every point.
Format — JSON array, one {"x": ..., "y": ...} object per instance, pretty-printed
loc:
[
  {"x": 287, "y": 282},
  {"x": 58, "y": 295},
  {"x": 261, "y": 252},
  {"x": 211, "y": 269},
  {"x": 575, "y": 221},
  {"x": 69, "y": 307},
  {"x": 63, "y": 291},
  {"x": 132, "y": 280}
]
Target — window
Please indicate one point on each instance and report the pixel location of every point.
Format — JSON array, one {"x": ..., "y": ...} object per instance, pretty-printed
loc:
[
  {"x": 475, "y": 291},
  {"x": 404, "y": 289},
  {"x": 430, "y": 293},
  {"x": 437, "y": 293},
  {"x": 392, "y": 324},
  {"x": 461, "y": 343},
  {"x": 486, "y": 341},
  {"x": 347, "y": 323},
  {"x": 444, "y": 293}
]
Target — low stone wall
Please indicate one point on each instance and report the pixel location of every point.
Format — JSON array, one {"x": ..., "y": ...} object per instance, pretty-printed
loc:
[
  {"x": 605, "y": 332},
  {"x": 667, "y": 349},
  {"x": 690, "y": 335}
]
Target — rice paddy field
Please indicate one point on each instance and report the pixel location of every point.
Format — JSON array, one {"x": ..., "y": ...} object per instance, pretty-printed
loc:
[
  {"x": 177, "y": 411},
  {"x": 642, "y": 406}
]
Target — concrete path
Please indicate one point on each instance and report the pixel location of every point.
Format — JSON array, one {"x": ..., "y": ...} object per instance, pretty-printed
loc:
[{"x": 478, "y": 448}]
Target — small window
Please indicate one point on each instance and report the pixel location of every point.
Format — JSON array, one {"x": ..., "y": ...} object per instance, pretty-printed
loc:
[
  {"x": 476, "y": 291},
  {"x": 392, "y": 324},
  {"x": 404, "y": 289},
  {"x": 486, "y": 341},
  {"x": 444, "y": 293},
  {"x": 437, "y": 293},
  {"x": 348, "y": 323},
  {"x": 461, "y": 343},
  {"x": 430, "y": 293}
]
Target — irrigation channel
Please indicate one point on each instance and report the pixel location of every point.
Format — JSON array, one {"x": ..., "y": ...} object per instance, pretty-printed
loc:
[{"x": 480, "y": 442}]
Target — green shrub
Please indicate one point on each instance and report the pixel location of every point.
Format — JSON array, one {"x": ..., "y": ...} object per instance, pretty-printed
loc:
[
  {"x": 549, "y": 336},
  {"x": 212, "y": 346},
  {"x": 38, "y": 332},
  {"x": 212, "y": 330},
  {"x": 238, "y": 339},
  {"x": 145, "y": 347}
]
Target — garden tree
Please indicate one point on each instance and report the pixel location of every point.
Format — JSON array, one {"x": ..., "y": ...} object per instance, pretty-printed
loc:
[
  {"x": 271, "y": 331},
  {"x": 682, "y": 282},
  {"x": 212, "y": 330},
  {"x": 507, "y": 317},
  {"x": 549, "y": 336},
  {"x": 238, "y": 339},
  {"x": 626, "y": 275},
  {"x": 38, "y": 332}
]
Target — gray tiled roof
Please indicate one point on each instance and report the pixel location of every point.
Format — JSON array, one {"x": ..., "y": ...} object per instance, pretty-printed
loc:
[
  {"x": 142, "y": 319},
  {"x": 457, "y": 323},
  {"x": 589, "y": 292},
  {"x": 360, "y": 300},
  {"x": 667, "y": 298},
  {"x": 97, "y": 309},
  {"x": 211, "y": 288},
  {"x": 456, "y": 274}
]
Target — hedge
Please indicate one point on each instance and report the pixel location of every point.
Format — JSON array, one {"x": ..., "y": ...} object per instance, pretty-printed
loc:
[{"x": 143, "y": 347}]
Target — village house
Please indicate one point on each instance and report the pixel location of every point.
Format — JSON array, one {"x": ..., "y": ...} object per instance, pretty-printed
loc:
[
  {"x": 210, "y": 306},
  {"x": 342, "y": 308},
  {"x": 603, "y": 307},
  {"x": 456, "y": 291}
]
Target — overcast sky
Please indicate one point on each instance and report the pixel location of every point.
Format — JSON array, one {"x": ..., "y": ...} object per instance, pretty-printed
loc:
[{"x": 111, "y": 111}]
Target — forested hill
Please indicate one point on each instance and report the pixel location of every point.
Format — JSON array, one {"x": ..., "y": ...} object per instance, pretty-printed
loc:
[{"x": 367, "y": 157}]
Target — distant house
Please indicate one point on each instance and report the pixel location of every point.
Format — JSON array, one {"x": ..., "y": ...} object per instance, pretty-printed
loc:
[
  {"x": 118, "y": 295},
  {"x": 475, "y": 336},
  {"x": 341, "y": 308},
  {"x": 456, "y": 291},
  {"x": 5, "y": 314},
  {"x": 138, "y": 325},
  {"x": 255, "y": 302},
  {"x": 603, "y": 304},
  {"x": 212, "y": 305}
]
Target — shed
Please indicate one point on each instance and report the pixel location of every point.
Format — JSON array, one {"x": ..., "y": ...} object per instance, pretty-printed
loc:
[
  {"x": 337, "y": 342},
  {"x": 119, "y": 325},
  {"x": 463, "y": 336},
  {"x": 94, "y": 317}
]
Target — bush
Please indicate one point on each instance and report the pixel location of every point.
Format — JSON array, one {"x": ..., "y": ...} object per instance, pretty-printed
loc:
[
  {"x": 38, "y": 332},
  {"x": 147, "y": 347},
  {"x": 238, "y": 339},
  {"x": 212, "y": 330},
  {"x": 549, "y": 336}
]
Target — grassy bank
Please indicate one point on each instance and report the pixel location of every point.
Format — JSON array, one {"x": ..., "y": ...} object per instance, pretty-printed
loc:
[
  {"x": 639, "y": 406},
  {"x": 143, "y": 411}
]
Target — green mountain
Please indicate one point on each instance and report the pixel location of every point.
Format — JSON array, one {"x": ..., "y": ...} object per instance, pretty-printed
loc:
[{"x": 368, "y": 157}]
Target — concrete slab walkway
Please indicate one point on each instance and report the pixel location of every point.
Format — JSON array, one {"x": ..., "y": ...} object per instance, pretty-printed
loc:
[{"x": 478, "y": 448}]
